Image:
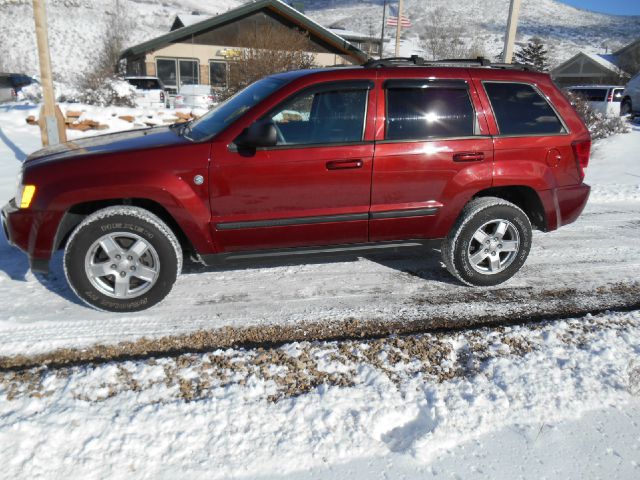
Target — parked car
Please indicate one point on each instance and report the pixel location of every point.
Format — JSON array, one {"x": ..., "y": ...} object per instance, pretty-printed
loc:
[
  {"x": 631, "y": 97},
  {"x": 605, "y": 99},
  {"x": 11, "y": 84},
  {"x": 394, "y": 154},
  {"x": 150, "y": 91},
  {"x": 196, "y": 96}
]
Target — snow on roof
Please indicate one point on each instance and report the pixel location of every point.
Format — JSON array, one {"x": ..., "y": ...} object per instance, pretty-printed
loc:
[
  {"x": 604, "y": 60},
  {"x": 349, "y": 34},
  {"x": 188, "y": 19}
]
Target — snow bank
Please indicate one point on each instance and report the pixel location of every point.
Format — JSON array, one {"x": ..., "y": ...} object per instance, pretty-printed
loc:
[{"x": 223, "y": 414}]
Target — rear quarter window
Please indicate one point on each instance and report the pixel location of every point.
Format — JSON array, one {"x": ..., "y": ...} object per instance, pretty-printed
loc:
[
  {"x": 436, "y": 111},
  {"x": 520, "y": 110}
]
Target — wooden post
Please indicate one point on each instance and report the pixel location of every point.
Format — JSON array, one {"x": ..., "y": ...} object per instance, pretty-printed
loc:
[
  {"x": 399, "y": 28},
  {"x": 52, "y": 125},
  {"x": 512, "y": 26}
]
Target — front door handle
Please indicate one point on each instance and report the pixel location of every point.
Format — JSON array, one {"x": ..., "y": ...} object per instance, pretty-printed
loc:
[
  {"x": 344, "y": 164},
  {"x": 468, "y": 156}
]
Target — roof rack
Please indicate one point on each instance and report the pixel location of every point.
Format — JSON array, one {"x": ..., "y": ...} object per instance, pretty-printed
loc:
[{"x": 415, "y": 60}]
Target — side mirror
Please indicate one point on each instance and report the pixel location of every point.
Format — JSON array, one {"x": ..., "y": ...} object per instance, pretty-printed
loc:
[{"x": 258, "y": 134}]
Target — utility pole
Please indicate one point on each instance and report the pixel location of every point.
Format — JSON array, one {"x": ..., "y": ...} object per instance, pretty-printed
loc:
[
  {"x": 398, "y": 28},
  {"x": 512, "y": 26},
  {"x": 384, "y": 20},
  {"x": 52, "y": 125}
]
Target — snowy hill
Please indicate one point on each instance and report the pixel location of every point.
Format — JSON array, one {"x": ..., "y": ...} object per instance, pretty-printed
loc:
[
  {"x": 564, "y": 29},
  {"x": 76, "y": 26}
]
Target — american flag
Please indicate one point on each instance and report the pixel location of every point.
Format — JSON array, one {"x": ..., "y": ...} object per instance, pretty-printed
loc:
[{"x": 392, "y": 21}]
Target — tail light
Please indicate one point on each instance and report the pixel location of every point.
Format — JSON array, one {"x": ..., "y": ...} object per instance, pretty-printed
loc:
[
  {"x": 14, "y": 94},
  {"x": 162, "y": 96},
  {"x": 581, "y": 152},
  {"x": 610, "y": 97}
]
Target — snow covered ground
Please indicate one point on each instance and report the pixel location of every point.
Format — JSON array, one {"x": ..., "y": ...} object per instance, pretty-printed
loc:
[
  {"x": 557, "y": 400},
  {"x": 539, "y": 400}
]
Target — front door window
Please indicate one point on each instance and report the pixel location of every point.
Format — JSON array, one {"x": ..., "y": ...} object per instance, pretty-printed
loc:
[{"x": 325, "y": 116}]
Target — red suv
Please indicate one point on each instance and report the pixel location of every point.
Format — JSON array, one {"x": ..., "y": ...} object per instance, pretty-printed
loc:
[{"x": 387, "y": 155}]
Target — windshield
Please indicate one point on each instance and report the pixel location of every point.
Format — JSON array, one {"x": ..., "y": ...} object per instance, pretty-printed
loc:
[{"x": 224, "y": 114}]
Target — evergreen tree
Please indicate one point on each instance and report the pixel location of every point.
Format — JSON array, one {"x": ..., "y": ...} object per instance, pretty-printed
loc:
[{"x": 533, "y": 55}]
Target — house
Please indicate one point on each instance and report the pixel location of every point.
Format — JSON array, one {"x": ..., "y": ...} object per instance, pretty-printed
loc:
[
  {"x": 200, "y": 49},
  {"x": 367, "y": 43},
  {"x": 590, "y": 69}
]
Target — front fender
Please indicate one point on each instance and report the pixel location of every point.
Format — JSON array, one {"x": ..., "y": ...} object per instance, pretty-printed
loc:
[{"x": 165, "y": 178}]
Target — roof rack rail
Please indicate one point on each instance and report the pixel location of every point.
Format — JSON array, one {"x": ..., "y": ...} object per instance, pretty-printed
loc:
[
  {"x": 415, "y": 60},
  {"x": 394, "y": 61}
]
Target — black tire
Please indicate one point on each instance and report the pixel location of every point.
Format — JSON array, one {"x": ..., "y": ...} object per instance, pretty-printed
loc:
[
  {"x": 626, "y": 108},
  {"x": 460, "y": 246},
  {"x": 162, "y": 256}
]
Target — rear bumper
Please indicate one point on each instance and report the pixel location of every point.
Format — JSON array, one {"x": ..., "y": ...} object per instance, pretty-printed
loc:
[
  {"x": 22, "y": 228},
  {"x": 565, "y": 204},
  {"x": 571, "y": 202}
]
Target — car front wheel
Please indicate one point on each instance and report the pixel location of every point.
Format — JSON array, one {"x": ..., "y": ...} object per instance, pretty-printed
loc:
[
  {"x": 489, "y": 242},
  {"x": 122, "y": 259}
]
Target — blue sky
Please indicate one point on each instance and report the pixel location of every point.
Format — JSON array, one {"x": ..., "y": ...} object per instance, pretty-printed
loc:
[{"x": 616, "y": 7}]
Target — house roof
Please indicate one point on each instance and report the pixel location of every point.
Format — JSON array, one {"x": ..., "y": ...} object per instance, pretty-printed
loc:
[
  {"x": 607, "y": 61},
  {"x": 604, "y": 61},
  {"x": 275, "y": 6},
  {"x": 188, "y": 19},
  {"x": 634, "y": 44}
]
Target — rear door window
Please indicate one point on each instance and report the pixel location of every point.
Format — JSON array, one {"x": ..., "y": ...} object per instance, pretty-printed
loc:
[
  {"x": 419, "y": 110},
  {"x": 520, "y": 110}
]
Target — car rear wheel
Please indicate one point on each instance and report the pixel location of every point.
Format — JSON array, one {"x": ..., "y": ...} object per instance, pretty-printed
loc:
[
  {"x": 122, "y": 259},
  {"x": 489, "y": 242}
]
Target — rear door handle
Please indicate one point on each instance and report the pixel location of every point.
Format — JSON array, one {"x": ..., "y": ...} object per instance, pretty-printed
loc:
[
  {"x": 344, "y": 164},
  {"x": 468, "y": 156}
]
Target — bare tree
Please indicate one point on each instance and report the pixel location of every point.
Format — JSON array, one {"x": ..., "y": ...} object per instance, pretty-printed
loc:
[
  {"x": 117, "y": 27},
  {"x": 269, "y": 49},
  {"x": 443, "y": 36}
]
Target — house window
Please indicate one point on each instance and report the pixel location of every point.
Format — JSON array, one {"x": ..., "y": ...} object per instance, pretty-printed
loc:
[
  {"x": 189, "y": 72},
  {"x": 174, "y": 72},
  {"x": 218, "y": 74},
  {"x": 167, "y": 71}
]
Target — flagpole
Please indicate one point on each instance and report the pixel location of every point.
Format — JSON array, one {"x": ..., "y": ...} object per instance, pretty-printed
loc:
[
  {"x": 384, "y": 15},
  {"x": 398, "y": 28}
]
